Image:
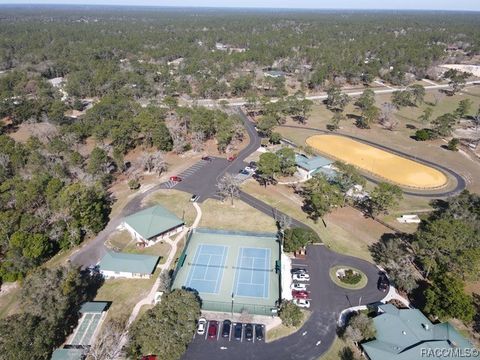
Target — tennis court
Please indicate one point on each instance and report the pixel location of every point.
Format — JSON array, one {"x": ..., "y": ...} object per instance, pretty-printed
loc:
[
  {"x": 206, "y": 270},
  {"x": 89, "y": 322},
  {"x": 252, "y": 273},
  {"x": 233, "y": 271}
]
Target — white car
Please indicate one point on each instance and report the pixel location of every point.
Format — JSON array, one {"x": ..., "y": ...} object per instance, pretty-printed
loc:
[
  {"x": 301, "y": 277},
  {"x": 302, "y": 303},
  {"x": 202, "y": 325},
  {"x": 298, "y": 286},
  {"x": 249, "y": 169}
]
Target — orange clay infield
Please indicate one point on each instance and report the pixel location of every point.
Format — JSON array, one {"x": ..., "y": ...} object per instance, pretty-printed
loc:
[{"x": 381, "y": 163}]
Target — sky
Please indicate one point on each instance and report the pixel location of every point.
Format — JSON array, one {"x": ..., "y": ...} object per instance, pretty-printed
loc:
[{"x": 307, "y": 4}]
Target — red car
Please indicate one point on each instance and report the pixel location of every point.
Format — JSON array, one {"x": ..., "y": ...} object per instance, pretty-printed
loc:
[
  {"x": 175, "y": 178},
  {"x": 212, "y": 329},
  {"x": 231, "y": 158},
  {"x": 300, "y": 294}
]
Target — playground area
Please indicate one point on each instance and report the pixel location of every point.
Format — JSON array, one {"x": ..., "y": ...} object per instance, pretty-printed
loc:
[{"x": 380, "y": 163}]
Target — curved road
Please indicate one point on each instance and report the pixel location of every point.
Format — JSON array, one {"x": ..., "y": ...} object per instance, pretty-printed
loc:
[{"x": 461, "y": 183}]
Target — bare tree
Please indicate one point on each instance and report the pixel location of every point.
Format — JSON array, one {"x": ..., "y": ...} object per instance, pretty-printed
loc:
[
  {"x": 154, "y": 162},
  {"x": 198, "y": 139},
  {"x": 178, "y": 136},
  {"x": 106, "y": 346},
  {"x": 387, "y": 120},
  {"x": 228, "y": 186},
  {"x": 438, "y": 96},
  {"x": 165, "y": 280}
]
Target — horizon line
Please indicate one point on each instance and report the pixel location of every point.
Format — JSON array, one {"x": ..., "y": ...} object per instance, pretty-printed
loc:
[{"x": 234, "y": 7}]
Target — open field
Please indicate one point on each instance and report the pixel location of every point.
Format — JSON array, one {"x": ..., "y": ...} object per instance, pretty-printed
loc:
[
  {"x": 379, "y": 162},
  {"x": 240, "y": 216},
  {"x": 124, "y": 294},
  {"x": 347, "y": 231},
  {"x": 176, "y": 201}
]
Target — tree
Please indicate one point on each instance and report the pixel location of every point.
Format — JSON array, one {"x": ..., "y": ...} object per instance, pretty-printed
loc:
[
  {"x": 426, "y": 115},
  {"x": 386, "y": 116},
  {"x": 336, "y": 100},
  {"x": 335, "y": 121},
  {"x": 453, "y": 144},
  {"x": 286, "y": 157},
  {"x": 290, "y": 314},
  {"x": 401, "y": 98},
  {"x": 443, "y": 125},
  {"x": 320, "y": 197},
  {"x": 296, "y": 238},
  {"x": 418, "y": 93},
  {"x": 266, "y": 124},
  {"x": 360, "y": 327},
  {"x": 275, "y": 138},
  {"x": 384, "y": 197},
  {"x": 366, "y": 100},
  {"x": 348, "y": 176},
  {"x": 106, "y": 346},
  {"x": 463, "y": 108},
  {"x": 424, "y": 135},
  {"x": 369, "y": 115},
  {"x": 154, "y": 162},
  {"x": 269, "y": 165},
  {"x": 457, "y": 79},
  {"x": 98, "y": 162},
  {"x": 228, "y": 186},
  {"x": 176, "y": 314},
  {"x": 446, "y": 298},
  {"x": 56, "y": 112}
]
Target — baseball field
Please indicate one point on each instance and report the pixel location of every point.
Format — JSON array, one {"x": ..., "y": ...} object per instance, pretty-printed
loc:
[{"x": 382, "y": 164}]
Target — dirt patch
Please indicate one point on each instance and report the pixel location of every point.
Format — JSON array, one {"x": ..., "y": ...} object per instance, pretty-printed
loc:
[{"x": 42, "y": 130}]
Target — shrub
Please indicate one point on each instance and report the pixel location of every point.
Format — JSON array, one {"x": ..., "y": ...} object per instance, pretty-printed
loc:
[
  {"x": 351, "y": 277},
  {"x": 423, "y": 135},
  {"x": 453, "y": 144},
  {"x": 290, "y": 314},
  {"x": 296, "y": 238},
  {"x": 133, "y": 184}
]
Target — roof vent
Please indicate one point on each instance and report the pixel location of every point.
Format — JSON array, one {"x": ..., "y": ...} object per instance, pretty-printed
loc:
[
  {"x": 426, "y": 327},
  {"x": 404, "y": 332}
]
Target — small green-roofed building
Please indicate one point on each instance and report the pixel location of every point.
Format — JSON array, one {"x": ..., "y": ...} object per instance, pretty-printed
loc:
[
  {"x": 407, "y": 334},
  {"x": 68, "y": 354},
  {"x": 153, "y": 224},
  {"x": 307, "y": 167},
  {"x": 94, "y": 307},
  {"x": 116, "y": 264}
]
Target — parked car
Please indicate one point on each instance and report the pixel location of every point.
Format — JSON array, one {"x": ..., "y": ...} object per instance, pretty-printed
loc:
[
  {"x": 206, "y": 158},
  {"x": 212, "y": 329},
  {"x": 383, "y": 283},
  {"x": 252, "y": 164},
  {"x": 194, "y": 198},
  {"x": 298, "y": 286},
  {"x": 202, "y": 324},
  {"x": 300, "y": 294},
  {"x": 231, "y": 158},
  {"x": 302, "y": 303},
  {"x": 258, "y": 332},
  {"x": 227, "y": 324},
  {"x": 237, "y": 331},
  {"x": 249, "y": 169},
  {"x": 175, "y": 178},
  {"x": 244, "y": 172},
  {"x": 301, "y": 277},
  {"x": 298, "y": 271},
  {"x": 249, "y": 332}
]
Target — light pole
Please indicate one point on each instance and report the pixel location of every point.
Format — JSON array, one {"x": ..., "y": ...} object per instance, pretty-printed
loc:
[{"x": 233, "y": 298}]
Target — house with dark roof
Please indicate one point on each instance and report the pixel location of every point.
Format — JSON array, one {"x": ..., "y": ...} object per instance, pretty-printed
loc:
[
  {"x": 153, "y": 224},
  {"x": 407, "y": 334},
  {"x": 117, "y": 264},
  {"x": 307, "y": 167}
]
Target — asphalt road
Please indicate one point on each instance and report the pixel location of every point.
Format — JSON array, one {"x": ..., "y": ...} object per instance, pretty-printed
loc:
[{"x": 460, "y": 181}]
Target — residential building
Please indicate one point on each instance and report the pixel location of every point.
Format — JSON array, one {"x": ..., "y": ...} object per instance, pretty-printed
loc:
[
  {"x": 153, "y": 224},
  {"x": 116, "y": 264},
  {"x": 407, "y": 334}
]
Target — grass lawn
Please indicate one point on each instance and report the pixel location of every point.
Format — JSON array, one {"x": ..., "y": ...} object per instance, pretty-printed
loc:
[
  {"x": 240, "y": 216},
  {"x": 361, "y": 283},
  {"x": 334, "y": 353},
  {"x": 281, "y": 330},
  {"x": 347, "y": 232},
  {"x": 176, "y": 201},
  {"x": 124, "y": 294}
]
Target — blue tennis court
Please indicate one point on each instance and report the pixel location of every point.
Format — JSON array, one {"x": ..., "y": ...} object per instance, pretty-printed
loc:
[
  {"x": 207, "y": 267},
  {"x": 252, "y": 273}
]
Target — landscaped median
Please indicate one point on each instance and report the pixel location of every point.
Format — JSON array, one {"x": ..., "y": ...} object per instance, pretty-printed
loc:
[{"x": 348, "y": 277}]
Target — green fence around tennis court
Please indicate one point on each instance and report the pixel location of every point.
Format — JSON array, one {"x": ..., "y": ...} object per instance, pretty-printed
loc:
[{"x": 223, "y": 306}]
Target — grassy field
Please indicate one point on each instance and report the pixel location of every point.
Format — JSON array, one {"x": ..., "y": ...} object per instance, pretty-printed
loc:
[
  {"x": 176, "y": 201},
  {"x": 124, "y": 294},
  {"x": 347, "y": 231},
  {"x": 334, "y": 353},
  {"x": 281, "y": 330},
  {"x": 240, "y": 216}
]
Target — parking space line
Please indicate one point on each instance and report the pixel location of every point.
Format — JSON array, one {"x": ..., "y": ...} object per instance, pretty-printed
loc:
[
  {"x": 230, "y": 333},
  {"x": 206, "y": 330}
]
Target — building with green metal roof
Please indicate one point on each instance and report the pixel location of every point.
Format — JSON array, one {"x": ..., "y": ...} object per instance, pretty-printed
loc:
[
  {"x": 95, "y": 307},
  {"x": 116, "y": 264},
  {"x": 153, "y": 224},
  {"x": 407, "y": 334},
  {"x": 307, "y": 167},
  {"x": 68, "y": 354}
]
